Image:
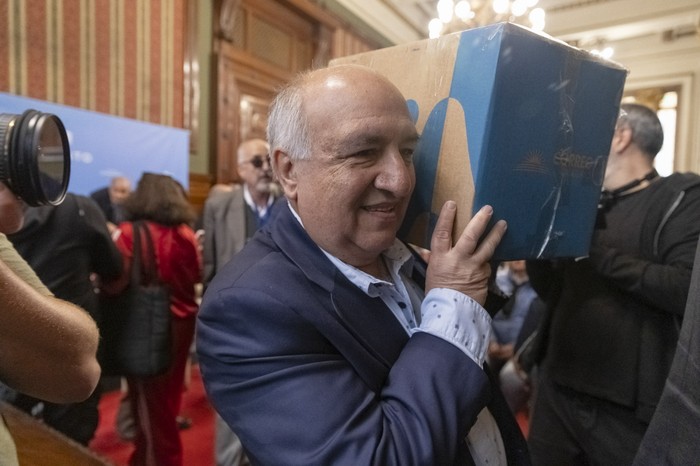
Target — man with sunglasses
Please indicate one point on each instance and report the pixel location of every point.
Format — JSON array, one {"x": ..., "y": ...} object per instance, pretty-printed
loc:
[{"x": 231, "y": 217}]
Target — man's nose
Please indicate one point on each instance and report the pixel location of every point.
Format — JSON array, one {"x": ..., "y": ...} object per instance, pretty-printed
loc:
[{"x": 396, "y": 174}]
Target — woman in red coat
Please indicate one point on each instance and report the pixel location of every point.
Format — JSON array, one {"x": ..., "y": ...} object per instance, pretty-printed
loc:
[{"x": 161, "y": 204}]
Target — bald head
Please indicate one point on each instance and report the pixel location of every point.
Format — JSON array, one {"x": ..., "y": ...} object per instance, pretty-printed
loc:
[
  {"x": 342, "y": 148},
  {"x": 250, "y": 148},
  {"x": 119, "y": 189},
  {"x": 333, "y": 89}
]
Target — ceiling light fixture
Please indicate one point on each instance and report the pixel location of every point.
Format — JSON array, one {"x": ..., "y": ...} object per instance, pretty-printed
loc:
[{"x": 467, "y": 14}]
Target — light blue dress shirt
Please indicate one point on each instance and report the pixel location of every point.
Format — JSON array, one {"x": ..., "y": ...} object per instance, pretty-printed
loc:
[{"x": 444, "y": 313}]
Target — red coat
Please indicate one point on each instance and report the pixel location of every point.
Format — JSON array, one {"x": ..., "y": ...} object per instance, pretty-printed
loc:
[{"x": 178, "y": 258}]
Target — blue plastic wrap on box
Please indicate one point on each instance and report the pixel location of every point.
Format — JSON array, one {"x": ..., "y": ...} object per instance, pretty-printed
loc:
[{"x": 510, "y": 118}]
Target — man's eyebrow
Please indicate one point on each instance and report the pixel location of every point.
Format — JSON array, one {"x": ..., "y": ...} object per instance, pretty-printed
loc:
[{"x": 364, "y": 138}]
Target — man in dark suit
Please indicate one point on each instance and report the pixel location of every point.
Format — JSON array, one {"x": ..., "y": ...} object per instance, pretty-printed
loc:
[
  {"x": 319, "y": 343},
  {"x": 111, "y": 198}
]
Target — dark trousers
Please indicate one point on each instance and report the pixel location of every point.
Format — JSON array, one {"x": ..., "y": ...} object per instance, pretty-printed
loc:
[{"x": 571, "y": 428}]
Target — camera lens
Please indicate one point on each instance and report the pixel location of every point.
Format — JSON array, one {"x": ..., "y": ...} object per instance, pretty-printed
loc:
[{"x": 34, "y": 157}]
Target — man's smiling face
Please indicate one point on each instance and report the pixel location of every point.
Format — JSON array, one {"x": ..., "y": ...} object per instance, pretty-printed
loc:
[{"x": 353, "y": 191}]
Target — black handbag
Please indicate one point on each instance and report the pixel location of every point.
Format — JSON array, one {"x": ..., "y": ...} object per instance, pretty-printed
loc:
[{"x": 135, "y": 324}]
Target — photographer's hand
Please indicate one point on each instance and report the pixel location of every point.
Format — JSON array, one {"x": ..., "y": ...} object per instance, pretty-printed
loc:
[{"x": 11, "y": 211}]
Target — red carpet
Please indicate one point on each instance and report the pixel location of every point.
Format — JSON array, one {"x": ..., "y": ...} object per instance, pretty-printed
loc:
[
  {"x": 523, "y": 421},
  {"x": 197, "y": 441}
]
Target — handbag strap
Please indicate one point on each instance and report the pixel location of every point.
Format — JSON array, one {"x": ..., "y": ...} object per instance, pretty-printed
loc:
[{"x": 141, "y": 268}]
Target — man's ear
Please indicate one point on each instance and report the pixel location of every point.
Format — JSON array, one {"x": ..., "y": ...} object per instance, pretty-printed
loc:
[
  {"x": 622, "y": 139},
  {"x": 284, "y": 169}
]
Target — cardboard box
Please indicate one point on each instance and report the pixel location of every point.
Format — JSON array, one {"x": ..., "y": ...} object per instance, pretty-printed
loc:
[{"x": 510, "y": 118}]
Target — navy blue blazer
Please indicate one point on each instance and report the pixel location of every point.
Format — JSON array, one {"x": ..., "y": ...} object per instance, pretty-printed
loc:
[{"x": 309, "y": 370}]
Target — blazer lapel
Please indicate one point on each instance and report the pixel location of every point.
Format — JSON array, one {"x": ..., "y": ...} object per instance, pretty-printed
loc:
[
  {"x": 369, "y": 327},
  {"x": 372, "y": 323}
]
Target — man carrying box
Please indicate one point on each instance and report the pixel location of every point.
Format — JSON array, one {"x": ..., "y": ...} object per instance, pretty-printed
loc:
[{"x": 319, "y": 343}]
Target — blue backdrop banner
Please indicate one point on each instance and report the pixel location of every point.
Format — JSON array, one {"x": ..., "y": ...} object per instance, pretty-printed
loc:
[{"x": 104, "y": 146}]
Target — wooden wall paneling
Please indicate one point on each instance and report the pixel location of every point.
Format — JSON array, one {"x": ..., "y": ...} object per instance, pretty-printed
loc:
[
  {"x": 274, "y": 30},
  {"x": 347, "y": 43},
  {"x": 245, "y": 90},
  {"x": 227, "y": 121},
  {"x": 253, "y": 115},
  {"x": 313, "y": 10},
  {"x": 191, "y": 86},
  {"x": 260, "y": 45},
  {"x": 199, "y": 189}
]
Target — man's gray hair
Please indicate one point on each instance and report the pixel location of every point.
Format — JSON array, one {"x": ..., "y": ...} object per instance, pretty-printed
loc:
[
  {"x": 647, "y": 132},
  {"x": 287, "y": 125}
]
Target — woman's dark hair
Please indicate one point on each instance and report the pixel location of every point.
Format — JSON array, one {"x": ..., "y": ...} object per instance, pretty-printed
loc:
[{"x": 160, "y": 199}]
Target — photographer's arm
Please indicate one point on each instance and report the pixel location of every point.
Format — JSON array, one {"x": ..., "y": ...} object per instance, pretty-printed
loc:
[{"x": 47, "y": 345}]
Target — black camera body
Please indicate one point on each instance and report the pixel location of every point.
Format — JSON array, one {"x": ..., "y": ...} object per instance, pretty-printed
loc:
[{"x": 34, "y": 157}]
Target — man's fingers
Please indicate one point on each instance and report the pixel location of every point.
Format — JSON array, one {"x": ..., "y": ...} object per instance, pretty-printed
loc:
[
  {"x": 488, "y": 245},
  {"x": 464, "y": 267},
  {"x": 469, "y": 239},
  {"x": 442, "y": 234},
  {"x": 468, "y": 242}
]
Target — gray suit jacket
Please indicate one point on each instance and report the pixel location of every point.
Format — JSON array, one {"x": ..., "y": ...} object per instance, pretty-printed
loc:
[
  {"x": 672, "y": 437},
  {"x": 224, "y": 230}
]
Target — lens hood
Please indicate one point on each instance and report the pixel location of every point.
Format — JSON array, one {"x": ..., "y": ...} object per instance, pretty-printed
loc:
[{"x": 34, "y": 157}]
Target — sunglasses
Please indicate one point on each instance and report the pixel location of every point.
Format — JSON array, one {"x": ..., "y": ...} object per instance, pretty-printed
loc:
[{"x": 258, "y": 161}]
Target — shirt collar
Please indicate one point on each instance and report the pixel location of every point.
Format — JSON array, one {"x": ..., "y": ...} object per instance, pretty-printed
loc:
[
  {"x": 397, "y": 257},
  {"x": 249, "y": 201}
]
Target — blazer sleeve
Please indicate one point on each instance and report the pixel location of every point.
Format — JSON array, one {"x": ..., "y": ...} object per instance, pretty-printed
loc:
[{"x": 293, "y": 399}]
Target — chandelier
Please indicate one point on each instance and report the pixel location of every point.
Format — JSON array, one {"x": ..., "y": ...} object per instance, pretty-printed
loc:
[{"x": 467, "y": 14}]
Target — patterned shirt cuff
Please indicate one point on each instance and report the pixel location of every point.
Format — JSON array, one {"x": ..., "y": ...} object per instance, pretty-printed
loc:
[{"x": 458, "y": 319}]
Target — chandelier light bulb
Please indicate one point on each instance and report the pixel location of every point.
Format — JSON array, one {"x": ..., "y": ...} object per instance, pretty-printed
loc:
[
  {"x": 536, "y": 18},
  {"x": 519, "y": 7},
  {"x": 434, "y": 28},
  {"x": 456, "y": 15},
  {"x": 445, "y": 9},
  {"x": 501, "y": 6},
  {"x": 463, "y": 10}
]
